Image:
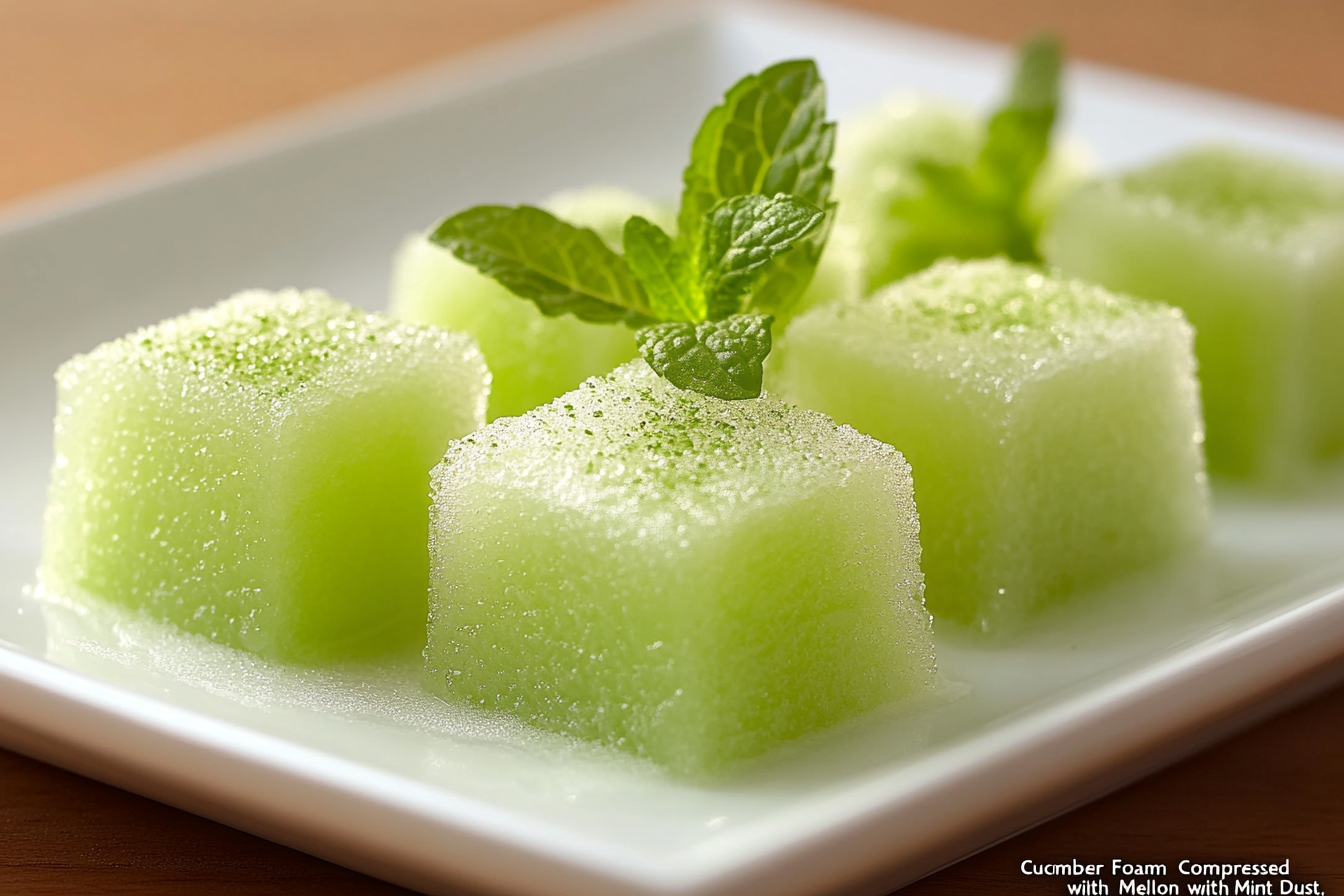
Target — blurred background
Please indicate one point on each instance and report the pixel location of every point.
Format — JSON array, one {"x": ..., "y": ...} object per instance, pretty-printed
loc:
[{"x": 87, "y": 86}]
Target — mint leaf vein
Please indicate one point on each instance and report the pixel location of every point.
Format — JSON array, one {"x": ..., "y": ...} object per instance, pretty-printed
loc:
[
  {"x": 770, "y": 135},
  {"x": 664, "y": 271},
  {"x": 562, "y": 268},
  {"x": 721, "y": 359},
  {"x": 739, "y": 237}
]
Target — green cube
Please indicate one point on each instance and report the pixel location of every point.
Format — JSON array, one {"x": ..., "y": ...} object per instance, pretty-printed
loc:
[
  {"x": 1053, "y": 427},
  {"x": 532, "y": 357},
  {"x": 259, "y": 472},
  {"x": 1252, "y": 249},
  {"x": 688, "y": 579}
]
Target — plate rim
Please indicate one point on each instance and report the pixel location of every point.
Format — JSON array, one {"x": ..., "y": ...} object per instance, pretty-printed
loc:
[{"x": 153, "y": 747}]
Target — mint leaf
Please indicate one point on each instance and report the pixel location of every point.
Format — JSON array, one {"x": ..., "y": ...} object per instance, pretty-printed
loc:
[
  {"x": 787, "y": 277},
  {"x": 739, "y": 237},
  {"x": 721, "y": 359},
  {"x": 1018, "y": 135},
  {"x": 980, "y": 210},
  {"x": 663, "y": 270},
  {"x": 769, "y": 136},
  {"x": 754, "y": 218},
  {"x": 1040, "y": 59},
  {"x": 562, "y": 268}
]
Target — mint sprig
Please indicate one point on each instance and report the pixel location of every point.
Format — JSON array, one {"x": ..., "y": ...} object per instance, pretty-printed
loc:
[
  {"x": 981, "y": 209},
  {"x": 770, "y": 135},
  {"x": 754, "y": 217},
  {"x": 713, "y": 340},
  {"x": 721, "y": 358}
]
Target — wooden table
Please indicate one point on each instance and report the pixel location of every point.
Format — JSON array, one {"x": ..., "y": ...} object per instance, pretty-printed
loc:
[{"x": 87, "y": 85}]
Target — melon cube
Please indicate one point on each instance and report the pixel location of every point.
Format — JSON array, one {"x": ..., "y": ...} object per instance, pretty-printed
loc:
[
  {"x": 533, "y": 358},
  {"x": 688, "y": 579},
  {"x": 259, "y": 472},
  {"x": 1053, "y": 427},
  {"x": 1252, "y": 249}
]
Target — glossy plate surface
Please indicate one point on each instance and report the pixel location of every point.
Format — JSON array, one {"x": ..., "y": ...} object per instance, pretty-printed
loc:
[{"x": 357, "y": 765}]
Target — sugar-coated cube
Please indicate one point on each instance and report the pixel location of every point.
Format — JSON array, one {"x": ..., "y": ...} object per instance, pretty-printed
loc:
[
  {"x": 532, "y": 357},
  {"x": 1252, "y": 249},
  {"x": 1053, "y": 427},
  {"x": 689, "y": 579},
  {"x": 258, "y": 472}
]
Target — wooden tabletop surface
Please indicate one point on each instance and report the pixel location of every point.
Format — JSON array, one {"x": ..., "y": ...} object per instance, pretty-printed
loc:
[{"x": 89, "y": 85}]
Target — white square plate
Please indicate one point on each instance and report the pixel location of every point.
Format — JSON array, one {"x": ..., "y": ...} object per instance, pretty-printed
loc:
[{"x": 366, "y": 771}]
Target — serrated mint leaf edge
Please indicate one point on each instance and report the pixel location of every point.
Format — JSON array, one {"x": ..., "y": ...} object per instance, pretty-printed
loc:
[
  {"x": 494, "y": 239},
  {"x": 701, "y": 188},
  {"x": 728, "y": 270},
  {"x": 729, "y": 373},
  {"x": 664, "y": 271}
]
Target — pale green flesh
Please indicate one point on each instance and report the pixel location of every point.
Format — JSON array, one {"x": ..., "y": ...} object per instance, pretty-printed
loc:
[
  {"x": 1042, "y": 467},
  {"x": 696, "y": 581},
  {"x": 532, "y": 358},
  {"x": 285, "y": 515},
  {"x": 1252, "y": 250}
]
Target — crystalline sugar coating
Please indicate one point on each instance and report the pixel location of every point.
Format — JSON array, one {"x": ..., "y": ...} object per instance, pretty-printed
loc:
[
  {"x": 1252, "y": 249},
  {"x": 693, "y": 580},
  {"x": 533, "y": 357},
  {"x": 1053, "y": 427},
  {"x": 258, "y": 472}
]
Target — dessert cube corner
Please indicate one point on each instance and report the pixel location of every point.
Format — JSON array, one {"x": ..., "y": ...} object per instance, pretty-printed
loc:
[
  {"x": 687, "y": 579},
  {"x": 258, "y": 472},
  {"x": 1251, "y": 248},
  {"x": 1053, "y": 427}
]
